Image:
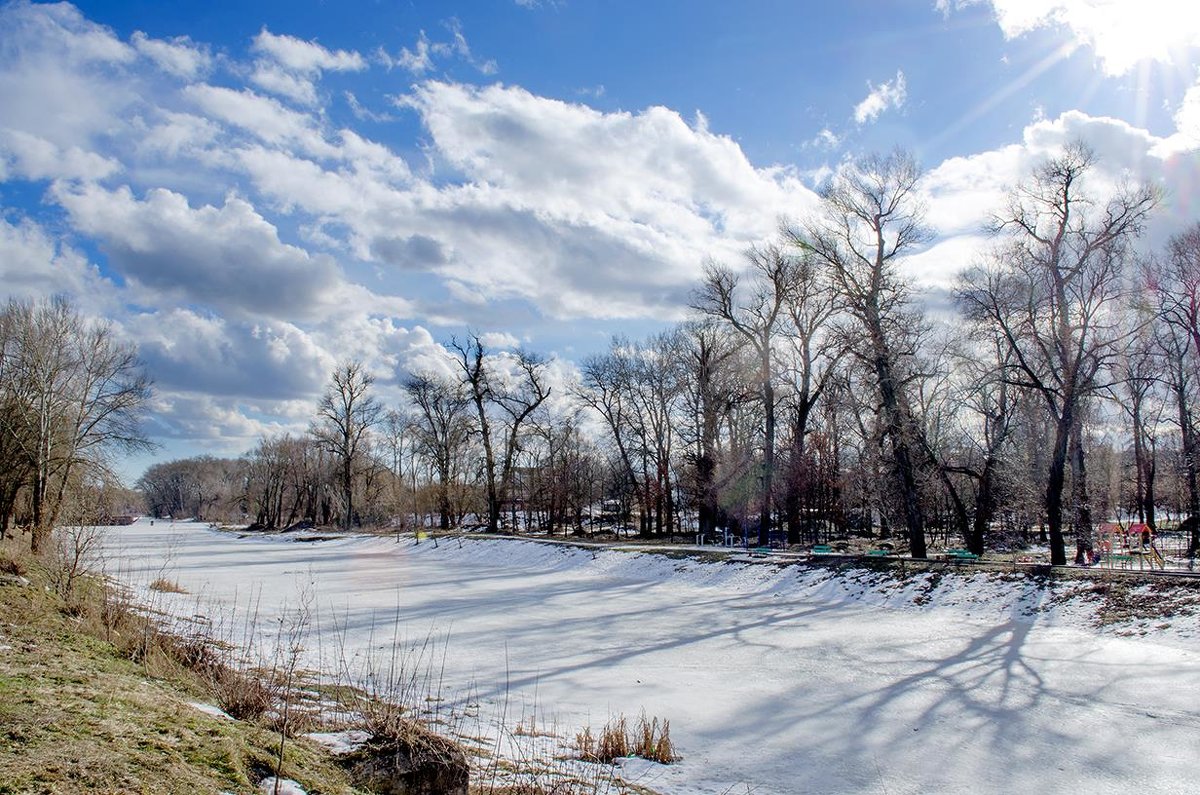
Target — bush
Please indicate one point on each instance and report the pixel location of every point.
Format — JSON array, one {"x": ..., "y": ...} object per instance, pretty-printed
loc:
[{"x": 649, "y": 739}]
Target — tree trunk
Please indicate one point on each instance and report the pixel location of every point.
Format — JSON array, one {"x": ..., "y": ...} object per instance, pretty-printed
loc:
[
  {"x": 764, "y": 526},
  {"x": 1054, "y": 491},
  {"x": 1079, "y": 496}
]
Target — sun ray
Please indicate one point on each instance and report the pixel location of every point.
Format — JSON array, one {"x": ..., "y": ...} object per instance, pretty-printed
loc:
[{"x": 1022, "y": 80}]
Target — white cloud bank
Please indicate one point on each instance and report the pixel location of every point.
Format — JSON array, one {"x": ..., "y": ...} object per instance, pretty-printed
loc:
[
  {"x": 251, "y": 241},
  {"x": 1120, "y": 32}
]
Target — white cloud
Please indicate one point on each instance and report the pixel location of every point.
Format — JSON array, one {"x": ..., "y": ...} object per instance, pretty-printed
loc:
[
  {"x": 178, "y": 56},
  {"x": 290, "y": 66},
  {"x": 963, "y": 192},
  {"x": 499, "y": 339},
  {"x": 33, "y": 265},
  {"x": 196, "y": 351},
  {"x": 422, "y": 58},
  {"x": 264, "y": 117},
  {"x": 306, "y": 56},
  {"x": 228, "y": 258},
  {"x": 63, "y": 79},
  {"x": 890, "y": 94},
  {"x": 825, "y": 139},
  {"x": 1120, "y": 32},
  {"x": 417, "y": 60},
  {"x": 28, "y": 156},
  {"x": 1187, "y": 118}
]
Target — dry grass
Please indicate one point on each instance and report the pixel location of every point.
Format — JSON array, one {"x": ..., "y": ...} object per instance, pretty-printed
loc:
[
  {"x": 163, "y": 585},
  {"x": 94, "y": 700},
  {"x": 648, "y": 739},
  {"x": 11, "y": 565}
]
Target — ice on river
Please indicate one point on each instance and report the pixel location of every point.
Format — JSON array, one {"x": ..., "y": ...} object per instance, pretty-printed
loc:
[{"x": 775, "y": 679}]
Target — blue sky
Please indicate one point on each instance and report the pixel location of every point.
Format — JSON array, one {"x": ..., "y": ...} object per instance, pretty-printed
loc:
[{"x": 253, "y": 191}]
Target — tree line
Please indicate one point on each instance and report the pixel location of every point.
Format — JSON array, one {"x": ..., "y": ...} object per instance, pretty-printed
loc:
[{"x": 809, "y": 394}]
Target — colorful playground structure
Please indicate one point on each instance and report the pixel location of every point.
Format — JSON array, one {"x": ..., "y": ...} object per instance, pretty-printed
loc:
[{"x": 1127, "y": 546}]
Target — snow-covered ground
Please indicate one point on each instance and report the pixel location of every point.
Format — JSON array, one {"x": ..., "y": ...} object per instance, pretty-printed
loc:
[{"x": 775, "y": 679}]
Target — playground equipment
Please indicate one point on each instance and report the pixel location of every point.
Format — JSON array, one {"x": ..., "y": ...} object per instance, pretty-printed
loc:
[{"x": 1122, "y": 546}]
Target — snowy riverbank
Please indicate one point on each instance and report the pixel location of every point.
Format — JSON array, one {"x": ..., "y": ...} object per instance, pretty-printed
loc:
[{"x": 776, "y": 679}]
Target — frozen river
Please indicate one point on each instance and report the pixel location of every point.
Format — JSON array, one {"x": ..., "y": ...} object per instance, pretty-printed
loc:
[{"x": 775, "y": 679}]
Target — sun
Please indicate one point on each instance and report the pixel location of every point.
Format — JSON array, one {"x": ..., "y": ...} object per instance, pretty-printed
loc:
[{"x": 1121, "y": 33}]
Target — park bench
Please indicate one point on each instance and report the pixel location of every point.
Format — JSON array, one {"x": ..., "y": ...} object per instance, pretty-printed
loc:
[
  {"x": 822, "y": 549},
  {"x": 960, "y": 554},
  {"x": 878, "y": 553}
]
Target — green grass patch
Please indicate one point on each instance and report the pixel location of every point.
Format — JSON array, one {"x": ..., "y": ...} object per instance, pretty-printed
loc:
[{"x": 80, "y": 713}]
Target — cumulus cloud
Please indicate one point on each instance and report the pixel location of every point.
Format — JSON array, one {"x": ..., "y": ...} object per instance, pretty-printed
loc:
[
  {"x": 290, "y": 66},
  {"x": 962, "y": 193},
  {"x": 229, "y": 258},
  {"x": 188, "y": 350},
  {"x": 29, "y": 156},
  {"x": 889, "y": 95},
  {"x": 1120, "y": 32},
  {"x": 264, "y": 117},
  {"x": 63, "y": 79},
  {"x": 308, "y": 57},
  {"x": 33, "y": 264},
  {"x": 177, "y": 56}
]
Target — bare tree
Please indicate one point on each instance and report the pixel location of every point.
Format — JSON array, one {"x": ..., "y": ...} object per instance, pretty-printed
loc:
[
  {"x": 443, "y": 428},
  {"x": 1139, "y": 377},
  {"x": 73, "y": 394},
  {"x": 870, "y": 219},
  {"x": 345, "y": 415},
  {"x": 756, "y": 315},
  {"x": 811, "y": 356},
  {"x": 512, "y": 386},
  {"x": 1173, "y": 283},
  {"x": 711, "y": 387},
  {"x": 1052, "y": 289},
  {"x": 606, "y": 388}
]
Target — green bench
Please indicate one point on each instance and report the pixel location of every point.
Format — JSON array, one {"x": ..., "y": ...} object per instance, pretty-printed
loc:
[
  {"x": 960, "y": 554},
  {"x": 822, "y": 549},
  {"x": 879, "y": 553}
]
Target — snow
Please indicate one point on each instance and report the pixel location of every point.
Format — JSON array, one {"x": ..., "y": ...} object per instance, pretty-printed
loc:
[
  {"x": 209, "y": 709},
  {"x": 776, "y": 679},
  {"x": 285, "y": 786},
  {"x": 343, "y": 742}
]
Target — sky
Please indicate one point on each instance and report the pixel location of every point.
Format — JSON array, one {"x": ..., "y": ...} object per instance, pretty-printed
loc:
[{"x": 253, "y": 192}]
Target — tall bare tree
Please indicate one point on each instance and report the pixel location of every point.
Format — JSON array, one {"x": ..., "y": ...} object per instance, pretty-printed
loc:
[
  {"x": 443, "y": 427},
  {"x": 755, "y": 312},
  {"x": 1173, "y": 282},
  {"x": 345, "y": 415},
  {"x": 510, "y": 386},
  {"x": 1052, "y": 288},
  {"x": 870, "y": 219}
]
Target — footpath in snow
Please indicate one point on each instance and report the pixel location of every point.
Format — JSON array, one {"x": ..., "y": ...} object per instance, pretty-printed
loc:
[{"x": 776, "y": 679}]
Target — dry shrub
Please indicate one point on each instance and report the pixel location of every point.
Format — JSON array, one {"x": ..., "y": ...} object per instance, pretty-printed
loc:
[
  {"x": 654, "y": 741},
  {"x": 649, "y": 739},
  {"x": 614, "y": 740},
  {"x": 585, "y": 743},
  {"x": 163, "y": 585},
  {"x": 135, "y": 635},
  {"x": 11, "y": 565}
]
